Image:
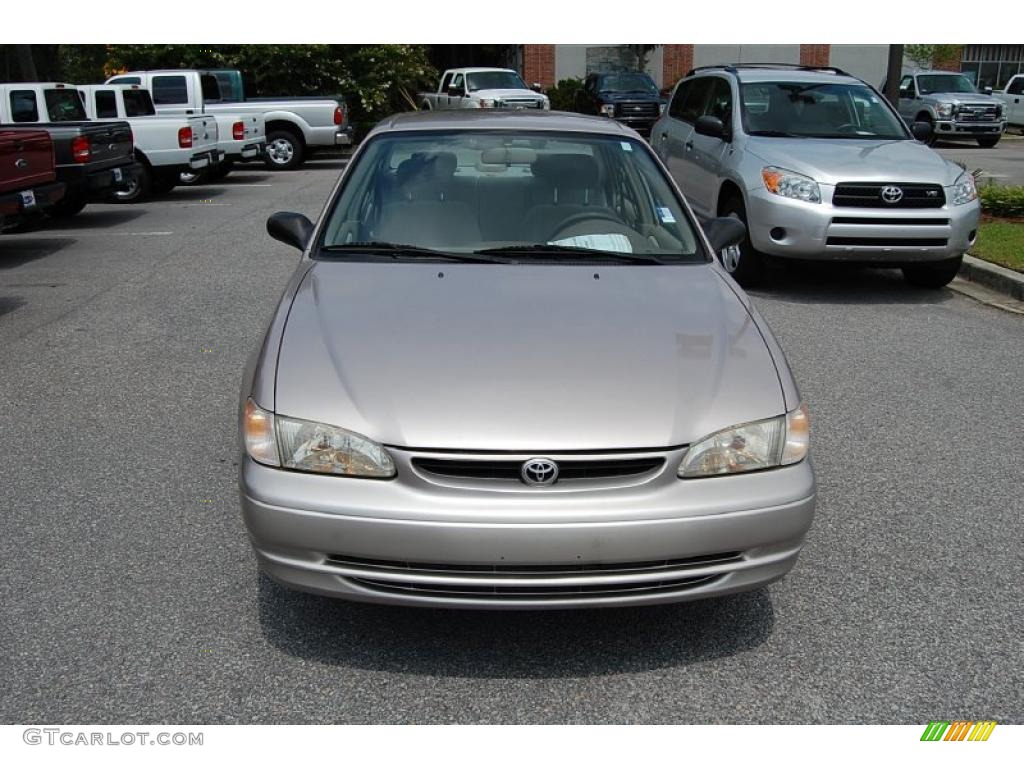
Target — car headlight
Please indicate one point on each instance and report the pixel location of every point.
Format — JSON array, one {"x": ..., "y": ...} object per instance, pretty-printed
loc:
[
  {"x": 964, "y": 189},
  {"x": 608, "y": 110},
  {"x": 774, "y": 442},
  {"x": 999, "y": 111},
  {"x": 547, "y": 103},
  {"x": 489, "y": 103},
  {"x": 944, "y": 110},
  {"x": 785, "y": 183},
  {"x": 661, "y": 109},
  {"x": 280, "y": 441}
]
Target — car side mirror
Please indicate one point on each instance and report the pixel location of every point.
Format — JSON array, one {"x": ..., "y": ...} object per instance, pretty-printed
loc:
[
  {"x": 922, "y": 131},
  {"x": 987, "y": 90},
  {"x": 708, "y": 125},
  {"x": 537, "y": 87},
  {"x": 724, "y": 231},
  {"x": 904, "y": 93},
  {"x": 292, "y": 229}
]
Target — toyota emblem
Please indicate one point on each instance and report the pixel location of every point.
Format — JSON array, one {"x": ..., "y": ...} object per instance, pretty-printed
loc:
[
  {"x": 892, "y": 195},
  {"x": 539, "y": 472}
]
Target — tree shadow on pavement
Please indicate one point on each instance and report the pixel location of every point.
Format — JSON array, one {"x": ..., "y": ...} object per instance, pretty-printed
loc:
[
  {"x": 15, "y": 251},
  {"x": 813, "y": 283},
  {"x": 512, "y": 644}
]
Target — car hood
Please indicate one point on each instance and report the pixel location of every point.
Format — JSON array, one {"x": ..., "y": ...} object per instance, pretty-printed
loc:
[
  {"x": 612, "y": 97},
  {"x": 963, "y": 98},
  {"x": 829, "y": 161},
  {"x": 525, "y": 358},
  {"x": 507, "y": 93}
]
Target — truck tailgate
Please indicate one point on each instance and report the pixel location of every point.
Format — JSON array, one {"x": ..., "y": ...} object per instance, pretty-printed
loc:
[
  {"x": 26, "y": 157},
  {"x": 204, "y": 132},
  {"x": 110, "y": 143}
]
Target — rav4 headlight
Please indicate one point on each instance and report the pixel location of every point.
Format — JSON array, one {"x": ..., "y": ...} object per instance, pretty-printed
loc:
[
  {"x": 785, "y": 183},
  {"x": 964, "y": 189},
  {"x": 749, "y": 447},
  {"x": 280, "y": 441}
]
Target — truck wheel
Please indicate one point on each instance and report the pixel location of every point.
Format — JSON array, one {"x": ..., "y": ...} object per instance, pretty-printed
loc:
[
  {"x": 284, "y": 151},
  {"x": 138, "y": 188},
  {"x": 190, "y": 178},
  {"x": 987, "y": 142},
  {"x": 70, "y": 205},
  {"x": 934, "y": 275},
  {"x": 743, "y": 262}
]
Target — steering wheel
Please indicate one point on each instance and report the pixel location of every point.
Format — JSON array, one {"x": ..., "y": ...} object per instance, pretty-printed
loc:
[
  {"x": 581, "y": 217},
  {"x": 847, "y": 128}
]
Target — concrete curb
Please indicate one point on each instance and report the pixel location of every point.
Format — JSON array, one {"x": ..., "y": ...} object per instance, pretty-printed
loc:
[{"x": 992, "y": 276}]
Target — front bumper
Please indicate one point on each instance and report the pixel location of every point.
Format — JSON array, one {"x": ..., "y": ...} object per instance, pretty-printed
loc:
[
  {"x": 888, "y": 236},
  {"x": 641, "y": 125},
  {"x": 663, "y": 540},
  {"x": 950, "y": 129}
]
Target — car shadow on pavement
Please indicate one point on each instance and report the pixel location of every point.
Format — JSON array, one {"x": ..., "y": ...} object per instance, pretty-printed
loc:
[
  {"x": 10, "y": 303},
  {"x": 15, "y": 251},
  {"x": 195, "y": 193},
  {"x": 97, "y": 218},
  {"x": 335, "y": 164},
  {"x": 511, "y": 644},
  {"x": 844, "y": 284}
]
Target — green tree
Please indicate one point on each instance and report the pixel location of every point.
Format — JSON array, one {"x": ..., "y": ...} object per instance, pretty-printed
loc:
[{"x": 927, "y": 56}]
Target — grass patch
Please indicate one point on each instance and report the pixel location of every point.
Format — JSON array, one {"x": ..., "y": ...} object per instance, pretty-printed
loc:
[{"x": 1002, "y": 243}]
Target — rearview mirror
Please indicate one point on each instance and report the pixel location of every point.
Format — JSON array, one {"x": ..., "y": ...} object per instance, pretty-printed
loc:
[
  {"x": 708, "y": 125},
  {"x": 724, "y": 231},
  {"x": 922, "y": 131},
  {"x": 292, "y": 229}
]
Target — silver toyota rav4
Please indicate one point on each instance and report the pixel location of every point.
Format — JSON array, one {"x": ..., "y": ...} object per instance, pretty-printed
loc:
[
  {"x": 819, "y": 166},
  {"x": 508, "y": 373}
]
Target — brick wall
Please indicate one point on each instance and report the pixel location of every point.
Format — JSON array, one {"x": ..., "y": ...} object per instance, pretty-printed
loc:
[
  {"x": 539, "y": 65},
  {"x": 815, "y": 55},
  {"x": 677, "y": 61}
]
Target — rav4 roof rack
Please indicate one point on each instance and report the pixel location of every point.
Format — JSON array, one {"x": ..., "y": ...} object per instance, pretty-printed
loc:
[{"x": 732, "y": 68}]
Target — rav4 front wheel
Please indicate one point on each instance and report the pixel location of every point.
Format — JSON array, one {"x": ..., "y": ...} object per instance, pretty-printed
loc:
[{"x": 742, "y": 261}]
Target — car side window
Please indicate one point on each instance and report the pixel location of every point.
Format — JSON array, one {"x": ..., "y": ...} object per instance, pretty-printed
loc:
[
  {"x": 446, "y": 81},
  {"x": 106, "y": 104},
  {"x": 170, "y": 89},
  {"x": 696, "y": 99},
  {"x": 720, "y": 101},
  {"x": 457, "y": 83},
  {"x": 907, "y": 87},
  {"x": 675, "y": 108},
  {"x": 1016, "y": 86},
  {"x": 126, "y": 80},
  {"x": 23, "y": 107}
]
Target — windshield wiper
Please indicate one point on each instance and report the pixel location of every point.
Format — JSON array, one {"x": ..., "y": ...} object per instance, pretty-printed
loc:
[
  {"x": 545, "y": 249},
  {"x": 397, "y": 249},
  {"x": 780, "y": 134}
]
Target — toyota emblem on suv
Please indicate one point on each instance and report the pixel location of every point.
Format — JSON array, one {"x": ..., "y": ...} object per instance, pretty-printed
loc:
[
  {"x": 892, "y": 195},
  {"x": 539, "y": 472}
]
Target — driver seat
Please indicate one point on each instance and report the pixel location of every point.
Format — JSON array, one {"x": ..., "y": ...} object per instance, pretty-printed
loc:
[{"x": 564, "y": 186}]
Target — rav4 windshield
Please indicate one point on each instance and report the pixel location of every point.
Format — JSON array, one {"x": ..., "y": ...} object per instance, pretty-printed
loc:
[
  {"x": 818, "y": 110},
  {"x": 552, "y": 196},
  {"x": 486, "y": 81}
]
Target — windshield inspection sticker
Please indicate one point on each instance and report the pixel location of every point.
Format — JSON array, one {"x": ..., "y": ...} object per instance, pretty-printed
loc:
[
  {"x": 615, "y": 243},
  {"x": 666, "y": 215},
  {"x": 626, "y": 146}
]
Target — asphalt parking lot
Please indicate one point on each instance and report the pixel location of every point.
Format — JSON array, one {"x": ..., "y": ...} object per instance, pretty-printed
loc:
[
  {"x": 129, "y": 593},
  {"x": 1002, "y": 164}
]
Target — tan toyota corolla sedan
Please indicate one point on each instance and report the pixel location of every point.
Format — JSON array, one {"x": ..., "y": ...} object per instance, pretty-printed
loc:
[{"x": 508, "y": 372}]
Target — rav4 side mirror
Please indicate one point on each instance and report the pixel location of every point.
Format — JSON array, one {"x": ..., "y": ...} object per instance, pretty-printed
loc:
[
  {"x": 292, "y": 229},
  {"x": 707, "y": 125},
  {"x": 723, "y": 232},
  {"x": 922, "y": 131}
]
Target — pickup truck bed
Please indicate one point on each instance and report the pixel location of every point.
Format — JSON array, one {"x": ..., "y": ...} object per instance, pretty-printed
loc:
[{"x": 27, "y": 176}]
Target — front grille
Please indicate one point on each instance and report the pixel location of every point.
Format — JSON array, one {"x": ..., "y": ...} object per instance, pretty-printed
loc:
[
  {"x": 476, "y": 580},
  {"x": 584, "y": 591},
  {"x": 889, "y": 242},
  {"x": 869, "y": 195},
  {"x": 978, "y": 112},
  {"x": 568, "y": 470},
  {"x": 864, "y": 221},
  {"x": 522, "y": 103},
  {"x": 636, "y": 109}
]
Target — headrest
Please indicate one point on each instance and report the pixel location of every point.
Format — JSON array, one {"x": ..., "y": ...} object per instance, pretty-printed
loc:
[
  {"x": 578, "y": 171},
  {"x": 426, "y": 166}
]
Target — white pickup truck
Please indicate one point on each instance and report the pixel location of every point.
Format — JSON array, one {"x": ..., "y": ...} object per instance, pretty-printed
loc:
[
  {"x": 1013, "y": 97},
  {"x": 165, "y": 146},
  {"x": 483, "y": 88},
  {"x": 294, "y": 127}
]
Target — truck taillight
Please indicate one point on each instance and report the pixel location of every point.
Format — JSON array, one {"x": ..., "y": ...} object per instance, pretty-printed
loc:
[
  {"x": 81, "y": 149},
  {"x": 238, "y": 131},
  {"x": 339, "y": 115},
  {"x": 184, "y": 138}
]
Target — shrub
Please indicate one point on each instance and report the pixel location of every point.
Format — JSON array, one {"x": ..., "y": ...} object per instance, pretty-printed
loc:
[
  {"x": 1007, "y": 202},
  {"x": 563, "y": 94}
]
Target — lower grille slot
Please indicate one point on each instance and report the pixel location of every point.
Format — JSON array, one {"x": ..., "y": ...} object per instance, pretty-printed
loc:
[
  {"x": 867, "y": 222},
  {"x": 539, "y": 592},
  {"x": 894, "y": 242}
]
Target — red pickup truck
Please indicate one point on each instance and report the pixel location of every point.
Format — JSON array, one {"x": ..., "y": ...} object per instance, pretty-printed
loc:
[{"x": 28, "y": 185}]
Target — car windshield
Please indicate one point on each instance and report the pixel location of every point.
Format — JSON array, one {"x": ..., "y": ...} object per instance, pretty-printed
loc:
[
  {"x": 635, "y": 82},
  {"x": 818, "y": 110},
  {"x": 64, "y": 105},
  {"x": 138, "y": 103},
  {"x": 561, "y": 197},
  {"x": 944, "y": 84},
  {"x": 485, "y": 81}
]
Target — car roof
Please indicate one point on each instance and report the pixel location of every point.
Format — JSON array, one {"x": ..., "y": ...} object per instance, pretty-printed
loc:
[
  {"x": 936, "y": 72},
  {"x": 481, "y": 69},
  {"x": 516, "y": 120},
  {"x": 789, "y": 75}
]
